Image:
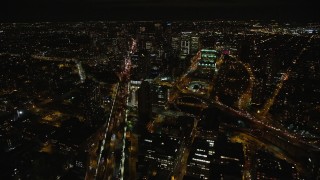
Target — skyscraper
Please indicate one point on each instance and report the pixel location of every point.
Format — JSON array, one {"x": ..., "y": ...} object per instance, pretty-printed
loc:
[
  {"x": 208, "y": 59},
  {"x": 144, "y": 102}
]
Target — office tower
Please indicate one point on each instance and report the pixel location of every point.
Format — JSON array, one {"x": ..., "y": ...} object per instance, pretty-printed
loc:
[{"x": 144, "y": 102}]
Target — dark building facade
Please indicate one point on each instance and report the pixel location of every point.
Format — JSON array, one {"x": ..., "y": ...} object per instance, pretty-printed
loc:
[{"x": 144, "y": 102}]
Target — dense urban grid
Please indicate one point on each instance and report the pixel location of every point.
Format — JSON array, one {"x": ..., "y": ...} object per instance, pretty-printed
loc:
[{"x": 160, "y": 100}]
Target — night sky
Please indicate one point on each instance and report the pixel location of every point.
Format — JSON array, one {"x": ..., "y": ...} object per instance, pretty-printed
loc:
[{"x": 77, "y": 10}]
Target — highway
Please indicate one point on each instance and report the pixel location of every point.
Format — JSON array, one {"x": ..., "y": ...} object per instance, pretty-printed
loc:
[
  {"x": 112, "y": 138},
  {"x": 108, "y": 124},
  {"x": 276, "y": 136},
  {"x": 124, "y": 138},
  {"x": 121, "y": 117},
  {"x": 261, "y": 122},
  {"x": 251, "y": 144}
]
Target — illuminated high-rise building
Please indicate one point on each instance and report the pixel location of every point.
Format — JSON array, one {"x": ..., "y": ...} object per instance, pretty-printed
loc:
[
  {"x": 175, "y": 43},
  {"x": 201, "y": 158},
  {"x": 185, "y": 44},
  {"x": 133, "y": 99},
  {"x": 195, "y": 44},
  {"x": 189, "y": 44},
  {"x": 208, "y": 59}
]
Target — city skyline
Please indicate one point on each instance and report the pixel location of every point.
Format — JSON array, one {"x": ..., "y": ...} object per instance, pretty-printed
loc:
[
  {"x": 160, "y": 100},
  {"x": 151, "y": 89}
]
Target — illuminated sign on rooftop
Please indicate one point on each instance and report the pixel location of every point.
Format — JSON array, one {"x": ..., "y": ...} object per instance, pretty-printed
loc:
[{"x": 208, "y": 50}]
